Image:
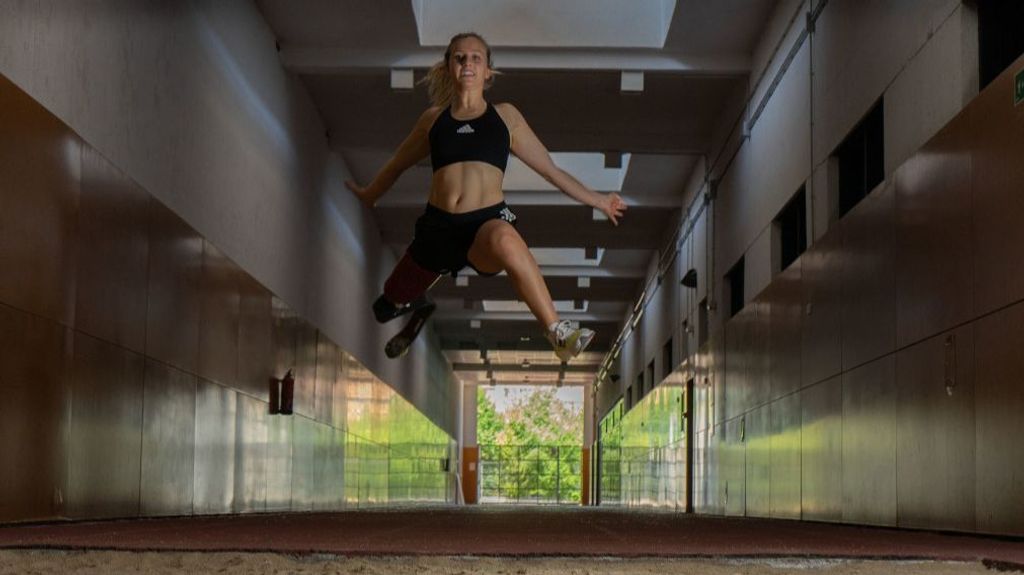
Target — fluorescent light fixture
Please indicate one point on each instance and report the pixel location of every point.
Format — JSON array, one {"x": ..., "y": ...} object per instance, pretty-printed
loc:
[
  {"x": 402, "y": 79},
  {"x": 547, "y": 23},
  {"x": 632, "y": 81},
  {"x": 590, "y": 257},
  {"x": 507, "y": 306},
  {"x": 588, "y": 167},
  {"x": 637, "y": 317}
]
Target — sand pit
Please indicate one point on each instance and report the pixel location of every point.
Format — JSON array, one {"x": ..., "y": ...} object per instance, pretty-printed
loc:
[{"x": 38, "y": 562}]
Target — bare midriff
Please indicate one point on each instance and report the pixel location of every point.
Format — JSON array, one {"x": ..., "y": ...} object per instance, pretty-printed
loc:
[{"x": 466, "y": 186}]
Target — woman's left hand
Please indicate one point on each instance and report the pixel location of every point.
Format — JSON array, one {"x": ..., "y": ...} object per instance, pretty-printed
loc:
[{"x": 613, "y": 206}]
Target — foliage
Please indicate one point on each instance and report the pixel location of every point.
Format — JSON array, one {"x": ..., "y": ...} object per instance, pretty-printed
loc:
[{"x": 532, "y": 450}]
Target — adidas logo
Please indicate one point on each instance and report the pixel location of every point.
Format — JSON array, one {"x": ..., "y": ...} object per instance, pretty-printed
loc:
[
  {"x": 507, "y": 215},
  {"x": 466, "y": 129}
]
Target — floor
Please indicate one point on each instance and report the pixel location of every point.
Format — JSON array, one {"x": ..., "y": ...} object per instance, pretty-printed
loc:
[{"x": 547, "y": 532}]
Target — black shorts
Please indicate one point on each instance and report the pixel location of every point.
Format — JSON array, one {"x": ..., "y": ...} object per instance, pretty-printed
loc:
[{"x": 443, "y": 239}]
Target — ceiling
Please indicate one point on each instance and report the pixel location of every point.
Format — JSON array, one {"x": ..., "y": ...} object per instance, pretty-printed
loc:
[{"x": 568, "y": 87}]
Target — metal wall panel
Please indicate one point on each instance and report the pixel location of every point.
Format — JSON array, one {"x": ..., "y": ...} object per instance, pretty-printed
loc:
[
  {"x": 251, "y": 435},
  {"x": 869, "y": 443},
  {"x": 785, "y": 315},
  {"x": 284, "y": 337},
  {"x": 934, "y": 285},
  {"x": 322, "y": 435},
  {"x": 738, "y": 347},
  {"x": 279, "y": 463},
  {"x": 40, "y": 167},
  {"x": 999, "y": 400},
  {"x": 785, "y": 431},
  {"x": 336, "y": 470},
  {"x": 218, "y": 317},
  {"x": 758, "y": 362},
  {"x": 935, "y": 432},
  {"x": 716, "y": 471},
  {"x": 997, "y": 178},
  {"x": 758, "y": 463},
  {"x": 821, "y": 284},
  {"x": 868, "y": 279},
  {"x": 700, "y": 456},
  {"x": 175, "y": 262},
  {"x": 328, "y": 358},
  {"x": 216, "y": 417},
  {"x": 35, "y": 416},
  {"x": 821, "y": 448},
  {"x": 113, "y": 255},
  {"x": 305, "y": 368},
  {"x": 256, "y": 362},
  {"x": 105, "y": 447},
  {"x": 347, "y": 367},
  {"x": 733, "y": 468},
  {"x": 168, "y": 440},
  {"x": 715, "y": 362},
  {"x": 303, "y": 442}
]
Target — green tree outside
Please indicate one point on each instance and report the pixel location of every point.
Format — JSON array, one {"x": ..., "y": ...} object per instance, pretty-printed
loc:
[{"x": 532, "y": 450}]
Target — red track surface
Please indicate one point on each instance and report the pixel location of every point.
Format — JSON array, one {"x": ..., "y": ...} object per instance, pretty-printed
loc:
[{"x": 512, "y": 531}]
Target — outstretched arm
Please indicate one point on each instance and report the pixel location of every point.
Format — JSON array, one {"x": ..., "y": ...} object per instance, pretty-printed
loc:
[
  {"x": 528, "y": 148},
  {"x": 415, "y": 147}
]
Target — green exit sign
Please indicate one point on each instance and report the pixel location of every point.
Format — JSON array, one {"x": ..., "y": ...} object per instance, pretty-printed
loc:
[{"x": 1018, "y": 88}]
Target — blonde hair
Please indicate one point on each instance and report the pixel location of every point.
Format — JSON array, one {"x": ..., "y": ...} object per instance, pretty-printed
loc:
[{"x": 440, "y": 86}]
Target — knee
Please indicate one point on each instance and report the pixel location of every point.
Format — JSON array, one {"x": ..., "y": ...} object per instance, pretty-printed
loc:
[
  {"x": 506, "y": 244},
  {"x": 408, "y": 282}
]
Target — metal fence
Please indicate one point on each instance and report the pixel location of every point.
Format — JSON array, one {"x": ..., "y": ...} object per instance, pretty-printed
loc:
[{"x": 536, "y": 474}]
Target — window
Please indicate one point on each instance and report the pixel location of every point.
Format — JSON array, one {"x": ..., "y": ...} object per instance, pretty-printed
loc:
[
  {"x": 667, "y": 365},
  {"x": 702, "y": 323},
  {"x": 1000, "y": 40},
  {"x": 789, "y": 230},
  {"x": 860, "y": 161},
  {"x": 734, "y": 287},
  {"x": 629, "y": 398},
  {"x": 650, "y": 376}
]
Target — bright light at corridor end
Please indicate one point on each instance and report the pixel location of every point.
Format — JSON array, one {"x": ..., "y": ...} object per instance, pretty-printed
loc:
[{"x": 547, "y": 23}]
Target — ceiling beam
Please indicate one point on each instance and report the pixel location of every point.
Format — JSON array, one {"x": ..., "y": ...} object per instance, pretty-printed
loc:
[
  {"x": 413, "y": 197},
  {"x": 563, "y": 287},
  {"x": 554, "y": 226},
  {"x": 530, "y": 368},
  {"x": 525, "y": 316},
  {"x": 327, "y": 60}
]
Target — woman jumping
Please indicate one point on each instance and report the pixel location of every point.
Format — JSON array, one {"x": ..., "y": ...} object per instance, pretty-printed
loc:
[{"x": 466, "y": 220}]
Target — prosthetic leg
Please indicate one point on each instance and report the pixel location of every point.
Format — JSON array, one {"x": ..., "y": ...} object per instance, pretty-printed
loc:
[{"x": 405, "y": 292}]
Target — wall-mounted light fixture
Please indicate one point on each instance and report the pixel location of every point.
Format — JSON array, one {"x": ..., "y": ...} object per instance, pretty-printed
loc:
[
  {"x": 282, "y": 394},
  {"x": 690, "y": 279}
]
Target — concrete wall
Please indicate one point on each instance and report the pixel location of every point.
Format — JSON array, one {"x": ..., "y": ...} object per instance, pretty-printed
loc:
[
  {"x": 189, "y": 100},
  {"x": 867, "y": 383}
]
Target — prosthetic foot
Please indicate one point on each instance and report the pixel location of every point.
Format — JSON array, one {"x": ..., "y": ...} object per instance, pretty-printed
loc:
[
  {"x": 399, "y": 344},
  {"x": 386, "y": 311}
]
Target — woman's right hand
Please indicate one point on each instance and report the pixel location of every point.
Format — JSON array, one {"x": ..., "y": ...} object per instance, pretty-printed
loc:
[{"x": 360, "y": 192}]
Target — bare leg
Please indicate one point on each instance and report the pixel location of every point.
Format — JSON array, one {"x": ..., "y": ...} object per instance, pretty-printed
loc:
[{"x": 498, "y": 246}]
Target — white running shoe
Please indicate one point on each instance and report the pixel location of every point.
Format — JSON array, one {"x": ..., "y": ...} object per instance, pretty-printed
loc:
[{"x": 569, "y": 339}]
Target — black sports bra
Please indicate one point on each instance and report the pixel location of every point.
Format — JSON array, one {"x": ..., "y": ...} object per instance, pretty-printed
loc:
[{"x": 482, "y": 139}]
